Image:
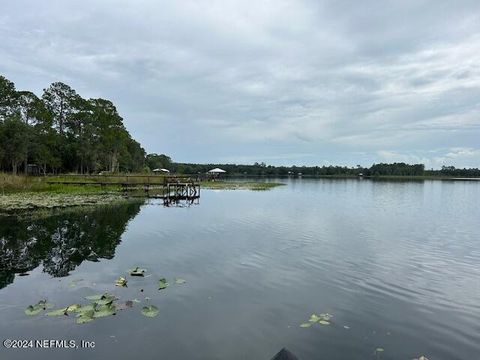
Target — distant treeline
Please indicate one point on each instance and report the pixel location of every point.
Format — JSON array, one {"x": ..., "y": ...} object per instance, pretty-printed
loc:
[
  {"x": 261, "y": 169},
  {"x": 62, "y": 132}
]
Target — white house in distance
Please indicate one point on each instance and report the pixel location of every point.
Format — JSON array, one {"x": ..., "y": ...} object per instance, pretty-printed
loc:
[{"x": 157, "y": 171}]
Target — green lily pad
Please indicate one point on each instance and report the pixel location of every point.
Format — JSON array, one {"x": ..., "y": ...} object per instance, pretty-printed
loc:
[
  {"x": 85, "y": 317},
  {"x": 180, "y": 281},
  {"x": 58, "y": 312},
  {"x": 137, "y": 271},
  {"x": 121, "y": 281},
  {"x": 162, "y": 284},
  {"x": 379, "y": 350},
  {"x": 103, "y": 299},
  {"x": 306, "y": 325},
  {"x": 150, "y": 311},
  {"x": 314, "y": 318},
  {"x": 324, "y": 322},
  {"x": 73, "y": 308},
  {"x": 86, "y": 308},
  {"x": 105, "y": 310},
  {"x": 32, "y": 310}
]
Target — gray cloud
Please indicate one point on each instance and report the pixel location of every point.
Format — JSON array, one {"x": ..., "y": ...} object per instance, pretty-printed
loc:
[{"x": 305, "y": 82}]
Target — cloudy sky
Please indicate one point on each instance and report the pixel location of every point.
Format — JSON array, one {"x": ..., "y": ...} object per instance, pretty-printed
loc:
[{"x": 281, "y": 81}]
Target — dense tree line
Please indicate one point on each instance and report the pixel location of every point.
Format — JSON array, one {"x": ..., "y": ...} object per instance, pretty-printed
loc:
[
  {"x": 62, "y": 132},
  {"x": 261, "y": 169}
]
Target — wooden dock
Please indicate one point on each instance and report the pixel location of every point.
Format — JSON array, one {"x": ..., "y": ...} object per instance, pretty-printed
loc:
[{"x": 171, "y": 189}]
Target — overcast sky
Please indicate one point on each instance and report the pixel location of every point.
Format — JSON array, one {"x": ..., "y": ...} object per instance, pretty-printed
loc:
[{"x": 284, "y": 82}]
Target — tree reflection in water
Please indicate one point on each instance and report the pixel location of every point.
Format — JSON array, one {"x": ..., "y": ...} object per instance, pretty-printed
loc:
[{"x": 61, "y": 241}]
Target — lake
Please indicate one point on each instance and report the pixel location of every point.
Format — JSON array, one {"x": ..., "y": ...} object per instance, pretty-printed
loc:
[{"x": 396, "y": 263}]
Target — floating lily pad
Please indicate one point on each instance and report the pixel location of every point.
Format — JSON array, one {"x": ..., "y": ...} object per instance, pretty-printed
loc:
[
  {"x": 137, "y": 271},
  {"x": 162, "y": 284},
  {"x": 85, "y": 317},
  {"x": 324, "y": 322},
  {"x": 37, "y": 308},
  {"x": 59, "y": 312},
  {"x": 306, "y": 325},
  {"x": 379, "y": 350},
  {"x": 103, "y": 299},
  {"x": 86, "y": 308},
  {"x": 73, "y": 308},
  {"x": 33, "y": 310},
  {"x": 150, "y": 311},
  {"x": 180, "y": 281},
  {"x": 121, "y": 281},
  {"x": 314, "y": 318},
  {"x": 105, "y": 310}
]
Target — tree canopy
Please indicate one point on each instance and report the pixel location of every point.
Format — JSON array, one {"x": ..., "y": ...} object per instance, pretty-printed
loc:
[{"x": 62, "y": 132}]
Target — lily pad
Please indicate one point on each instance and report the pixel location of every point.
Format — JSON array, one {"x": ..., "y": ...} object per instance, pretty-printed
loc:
[
  {"x": 324, "y": 322},
  {"x": 379, "y": 350},
  {"x": 137, "y": 271},
  {"x": 105, "y": 310},
  {"x": 180, "y": 281},
  {"x": 58, "y": 312},
  {"x": 306, "y": 325},
  {"x": 38, "y": 307},
  {"x": 73, "y": 308},
  {"x": 103, "y": 299},
  {"x": 86, "y": 308},
  {"x": 85, "y": 317},
  {"x": 162, "y": 284},
  {"x": 314, "y": 318},
  {"x": 33, "y": 310},
  {"x": 121, "y": 281},
  {"x": 150, "y": 311}
]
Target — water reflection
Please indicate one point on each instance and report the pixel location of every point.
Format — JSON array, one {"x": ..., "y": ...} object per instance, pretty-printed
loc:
[{"x": 62, "y": 241}]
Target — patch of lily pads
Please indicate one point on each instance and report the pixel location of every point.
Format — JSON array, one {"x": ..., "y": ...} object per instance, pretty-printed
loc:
[
  {"x": 322, "y": 319},
  {"x": 36, "y": 309},
  {"x": 101, "y": 305}
]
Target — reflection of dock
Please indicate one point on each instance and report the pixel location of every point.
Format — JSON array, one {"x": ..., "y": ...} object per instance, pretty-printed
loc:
[{"x": 172, "y": 189}]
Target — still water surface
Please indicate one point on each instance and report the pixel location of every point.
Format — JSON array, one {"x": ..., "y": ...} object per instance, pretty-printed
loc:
[{"x": 396, "y": 263}]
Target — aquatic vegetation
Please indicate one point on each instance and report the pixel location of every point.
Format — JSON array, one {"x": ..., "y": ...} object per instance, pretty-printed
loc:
[
  {"x": 162, "y": 284},
  {"x": 150, "y": 311},
  {"x": 137, "y": 271},
  {"x": 101, "y": 305},
  {"x": 322, "y": 319},
  {"x": 121, "y": 281},
  {"x": 85, "y": 317},
  {"x": 58, "y": 312},
  {"x": 37, "y": 308}
]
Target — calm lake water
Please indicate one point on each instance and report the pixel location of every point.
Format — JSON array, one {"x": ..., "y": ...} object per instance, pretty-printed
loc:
[{"x": 397, "y": 264}]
